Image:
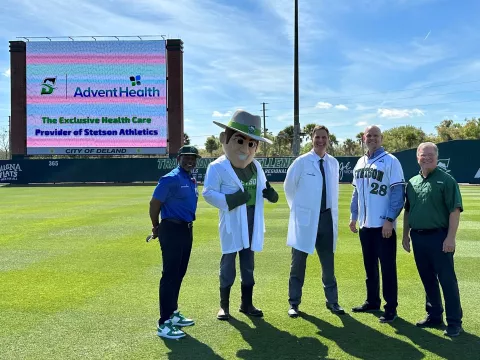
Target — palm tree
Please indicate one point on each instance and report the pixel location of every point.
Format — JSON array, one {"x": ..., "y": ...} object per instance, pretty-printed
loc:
[
  {"x": 333, "y": 144},
  {"x": 359, "y": 138},
  {"x": 349, "y": 146},
  {"x": 211, "y": 144},
  {"x": 307, "y": 130}
]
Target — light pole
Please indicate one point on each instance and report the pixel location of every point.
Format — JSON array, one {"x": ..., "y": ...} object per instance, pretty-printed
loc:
[{"x": 296, "y": 120}]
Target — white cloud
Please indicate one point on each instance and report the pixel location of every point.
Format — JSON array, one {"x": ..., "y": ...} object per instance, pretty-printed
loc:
[
  {"x": 323, "y": 105},
  {"x": 326, "y": 106},
  {"x": 6, "y": 73},
  {"x": 399, "y": 113},
  {"x": 361, "y": 123},
  {"x": 219, "y": 114}
]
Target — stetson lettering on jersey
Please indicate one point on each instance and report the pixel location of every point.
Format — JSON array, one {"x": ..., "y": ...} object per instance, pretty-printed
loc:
[{"x": 369, "y": 173}]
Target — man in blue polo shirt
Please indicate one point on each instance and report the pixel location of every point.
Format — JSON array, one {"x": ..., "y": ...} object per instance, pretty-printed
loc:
[{"x": 175, "y": 199}]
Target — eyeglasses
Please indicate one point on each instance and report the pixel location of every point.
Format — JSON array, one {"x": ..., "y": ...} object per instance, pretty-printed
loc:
[{"x": 251, "y": 144}]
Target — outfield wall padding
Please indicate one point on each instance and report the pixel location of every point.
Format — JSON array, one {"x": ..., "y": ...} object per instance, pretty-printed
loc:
[{"x": 460, "y": 158}]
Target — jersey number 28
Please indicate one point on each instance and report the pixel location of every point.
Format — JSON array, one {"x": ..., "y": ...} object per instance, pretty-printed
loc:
[{"x": 379, "y": 189}]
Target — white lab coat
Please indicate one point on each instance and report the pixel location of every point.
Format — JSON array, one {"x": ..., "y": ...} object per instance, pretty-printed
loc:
[
  {"x": 303, "y": 190},
  {"x": 220, "y": 179}
]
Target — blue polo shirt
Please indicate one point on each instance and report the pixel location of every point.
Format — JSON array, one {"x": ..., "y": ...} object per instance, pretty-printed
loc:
[{"x": 178, "y": 193}]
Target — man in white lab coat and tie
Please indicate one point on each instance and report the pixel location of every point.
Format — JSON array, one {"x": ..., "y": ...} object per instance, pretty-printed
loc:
[{"x": 311, "y": 188}]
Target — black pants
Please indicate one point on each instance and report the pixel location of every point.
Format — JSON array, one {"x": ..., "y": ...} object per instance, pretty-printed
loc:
[
  {"x": 324, "y": 247},
  {"x": 176, "y": 244},
  {"x": 375, "y": 247},
  {"x": 435, "y": 266}
]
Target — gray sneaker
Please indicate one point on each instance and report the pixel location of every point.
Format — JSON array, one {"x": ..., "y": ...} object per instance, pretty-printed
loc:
[{"x": 293, "y": 311}]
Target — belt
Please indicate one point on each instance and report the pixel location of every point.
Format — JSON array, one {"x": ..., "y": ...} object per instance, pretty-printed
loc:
[
  {"x": 428, "y": 231},
  {"x": 180, "y": 222}
]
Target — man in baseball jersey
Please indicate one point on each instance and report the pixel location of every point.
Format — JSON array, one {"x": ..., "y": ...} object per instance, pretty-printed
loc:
[{"x": 377, "y": 199}]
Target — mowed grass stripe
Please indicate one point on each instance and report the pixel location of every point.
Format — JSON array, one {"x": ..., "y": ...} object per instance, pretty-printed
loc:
[{"x": 79, "y": 281}]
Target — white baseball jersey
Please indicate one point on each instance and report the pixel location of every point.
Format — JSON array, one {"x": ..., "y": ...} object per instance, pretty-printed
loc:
[{"x": 374, "y": 179}]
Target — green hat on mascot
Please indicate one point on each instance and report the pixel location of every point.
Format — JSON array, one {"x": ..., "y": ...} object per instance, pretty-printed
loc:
[{"x": 247, "y": 124}]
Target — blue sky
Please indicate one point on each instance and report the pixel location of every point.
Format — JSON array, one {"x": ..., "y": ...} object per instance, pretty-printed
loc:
[{"x": 362, "y": 62}]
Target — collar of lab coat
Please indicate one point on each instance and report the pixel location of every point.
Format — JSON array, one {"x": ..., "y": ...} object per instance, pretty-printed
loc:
[{"x": 313, "y": 157}]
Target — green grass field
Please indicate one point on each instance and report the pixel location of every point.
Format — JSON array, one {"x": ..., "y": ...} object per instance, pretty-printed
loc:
[{"x": 78, "y": 281}]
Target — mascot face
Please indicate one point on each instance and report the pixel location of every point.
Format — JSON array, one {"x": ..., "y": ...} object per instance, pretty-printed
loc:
[{"x": 240, "y": 149}]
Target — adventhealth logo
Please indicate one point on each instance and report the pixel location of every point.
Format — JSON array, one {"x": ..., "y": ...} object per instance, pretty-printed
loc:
[
  {"x": 120, "y": 91},
  {"x": 48, "y": 86},
  {"x": 135, "y": 80}
]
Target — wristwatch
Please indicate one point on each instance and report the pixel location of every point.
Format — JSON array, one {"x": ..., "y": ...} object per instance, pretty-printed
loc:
[{"x": 389, "y": 219}]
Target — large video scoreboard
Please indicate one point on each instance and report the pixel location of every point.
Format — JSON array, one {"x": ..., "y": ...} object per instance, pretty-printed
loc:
[{"x": 96, "y": 97}]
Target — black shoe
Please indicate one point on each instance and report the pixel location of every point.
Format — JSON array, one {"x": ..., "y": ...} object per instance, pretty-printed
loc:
[
  {"x": 430, "y": 322},
  {"x": 366, "y": 307},
  {"x": 223, "y": 313},
  {"x": 246, "y": 306},
  {"x": 293, "y": 311},
  {"x": 388, "y": 317},
  {"x": 453, "y": 330},
  {"x": 251, "y": 311},
  {"x": 335, "y": 308}
]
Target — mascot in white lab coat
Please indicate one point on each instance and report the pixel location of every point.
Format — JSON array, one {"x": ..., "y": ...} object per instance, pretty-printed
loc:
[{"x": 236, "y": 184}]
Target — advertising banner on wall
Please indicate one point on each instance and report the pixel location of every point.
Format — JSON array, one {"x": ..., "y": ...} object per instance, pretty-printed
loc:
[{"x": 452, "y": 159}]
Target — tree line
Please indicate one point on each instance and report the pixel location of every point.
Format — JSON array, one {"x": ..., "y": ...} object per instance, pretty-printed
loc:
[{"x": 395, "y": 139}]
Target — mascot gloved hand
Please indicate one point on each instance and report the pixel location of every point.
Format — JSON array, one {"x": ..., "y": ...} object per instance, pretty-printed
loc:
[
  {"x": 269, "y": 193},
  {"x": 236, "y": 199}
]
